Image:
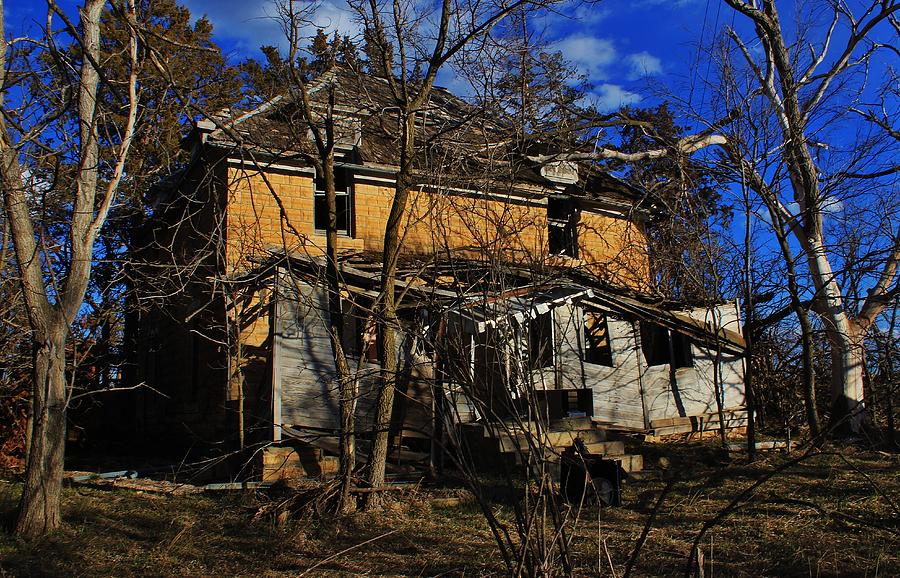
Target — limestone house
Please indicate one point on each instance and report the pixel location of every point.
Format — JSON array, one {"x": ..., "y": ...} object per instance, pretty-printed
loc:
[{"x": 520, "y": 287}]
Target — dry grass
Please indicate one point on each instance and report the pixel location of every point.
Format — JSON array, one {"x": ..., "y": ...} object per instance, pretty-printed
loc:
[{"x": 830, "y": 515}]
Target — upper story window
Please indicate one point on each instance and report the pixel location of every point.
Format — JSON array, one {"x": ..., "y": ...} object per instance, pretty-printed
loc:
[
  {"x": 562, "y": 227},
  {"x": 343, "y": 199}
]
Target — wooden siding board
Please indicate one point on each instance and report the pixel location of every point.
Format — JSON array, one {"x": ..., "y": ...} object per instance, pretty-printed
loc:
[
  {"x": 617, "y": 389},
  {"x": 305, "y": 366},
  {"x": 694, "y": 390}
]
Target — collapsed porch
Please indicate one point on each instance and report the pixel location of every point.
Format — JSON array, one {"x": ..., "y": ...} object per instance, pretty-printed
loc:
[{"x": 482, "y": 347}]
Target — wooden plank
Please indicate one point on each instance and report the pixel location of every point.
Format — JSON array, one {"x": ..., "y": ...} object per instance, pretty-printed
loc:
[
  {"x": 614, "y": 448},
  {"x": 630, "y": 462}
]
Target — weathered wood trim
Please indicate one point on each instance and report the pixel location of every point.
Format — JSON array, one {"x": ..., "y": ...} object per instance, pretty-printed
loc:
[
  {"x": 639, "y": 356},
  {"x": 276, "y": 365}
]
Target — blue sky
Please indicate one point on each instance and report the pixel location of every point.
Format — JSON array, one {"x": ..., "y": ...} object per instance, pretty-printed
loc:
[
  {"x": 620, "y": 45},
  {"x": 624, "y": 47}
]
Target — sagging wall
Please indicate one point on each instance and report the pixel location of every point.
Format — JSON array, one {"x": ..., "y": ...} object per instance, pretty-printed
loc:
[
  {"x": 616, "y": 389},
  {"x": 693, "y": 392},
  {"x": 628, "y": 392},
  {"x": 306, "y": 391}
]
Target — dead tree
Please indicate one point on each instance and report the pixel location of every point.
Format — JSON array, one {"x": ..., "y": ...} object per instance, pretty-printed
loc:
[
  {"x": 799, "y": 79},
  {"x": 91, "y": 189},
  {"x": 397, "y": 39},
  {"x": 320, "y": 123}
]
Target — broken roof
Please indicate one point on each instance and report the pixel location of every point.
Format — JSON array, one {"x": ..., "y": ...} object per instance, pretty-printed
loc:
[
  {"x": 471, "y": 147},
  {"x": 472, "y": 289}
]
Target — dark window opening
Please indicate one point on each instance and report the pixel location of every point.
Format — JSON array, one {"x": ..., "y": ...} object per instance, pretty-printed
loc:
[
  {"x": 359, "y": 333},
  {"x": 562, "y": 227},
  {"x": 343, "y": 202},
  {"x": 597, "y": 346},
  {"x": 459, "y": 357},
  {"x": 681, "y": 350},
  {"x": 540, "y": 341},
  {"x": 655, "y": 344}
]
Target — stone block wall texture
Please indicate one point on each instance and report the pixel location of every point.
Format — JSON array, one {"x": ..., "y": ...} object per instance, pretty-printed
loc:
[{"x": 274, "y": 211}]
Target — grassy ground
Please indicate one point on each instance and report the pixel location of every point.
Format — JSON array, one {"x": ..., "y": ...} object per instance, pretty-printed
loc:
[{"x": 830, "y": 515}]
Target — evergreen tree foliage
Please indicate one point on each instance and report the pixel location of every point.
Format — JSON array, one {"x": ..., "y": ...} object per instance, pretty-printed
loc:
[{"x": 684, "y": 249}]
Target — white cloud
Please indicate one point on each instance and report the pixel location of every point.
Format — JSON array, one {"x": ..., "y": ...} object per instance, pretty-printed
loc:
[
  {"x": 590, "y": 13},
  {"x": 591, "y": 55},
  {"x": 643, "y": 64},
  {"x": 832, "y": 206},
  {"x": 253, "y": 24},
  {"x": 612, "y": 96}
]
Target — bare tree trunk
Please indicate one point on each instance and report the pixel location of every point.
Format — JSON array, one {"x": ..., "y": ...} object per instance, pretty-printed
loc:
[
  {"x": 346, "y": 389},
  {"x": 809, "y": 375},
  {"x": 889, "y": 374},
  {"x": 749, "y": 313},
  {"x": 39, "y": 505},
  {"x": 388, "y": 321},
  {"x": 347, "y": 447},
  {"x": 808, "y": 361},
  {"x": 324, "y": 140},
  {"x": 847, "y": 359},
  {"x": 237, "y": 368},
  {"x": 93, "y": 196}
]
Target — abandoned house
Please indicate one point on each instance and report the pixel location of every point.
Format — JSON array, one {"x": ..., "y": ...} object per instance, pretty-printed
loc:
[{"x": 520, "y": 290}]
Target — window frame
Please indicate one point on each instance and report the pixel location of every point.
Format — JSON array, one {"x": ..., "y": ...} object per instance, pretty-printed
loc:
[
  {"x": 603, "y": 356},
  {"x": 562, "y": 227},
  {"x": 343, "y": 193}
]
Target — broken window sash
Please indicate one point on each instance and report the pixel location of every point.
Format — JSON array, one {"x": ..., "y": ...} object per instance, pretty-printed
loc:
[
  {"x": 562, "y": 227},
  {"x": 597, "y": 345},
  {"x": 343, "y": 202}
]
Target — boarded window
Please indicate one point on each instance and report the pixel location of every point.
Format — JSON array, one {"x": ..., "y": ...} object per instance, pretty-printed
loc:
[
  {"x": 562, "y": 227},
  {"x": 681, "y": 350},
  {"x": 597, "y": 346},
  {"x": 654, "y": 344},
  {"x": 540, "y": 341},
  {"x": 343, "y": 202}
]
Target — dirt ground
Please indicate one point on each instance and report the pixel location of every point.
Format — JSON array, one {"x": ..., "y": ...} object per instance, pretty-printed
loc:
[{"x": 834, "y": 514}]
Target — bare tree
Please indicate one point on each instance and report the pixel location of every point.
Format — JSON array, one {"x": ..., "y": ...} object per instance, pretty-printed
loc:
[
  {"x": 320, "y": 123},
  {"x": 411, "y": 49},
  {"x": 810, "y": 84},
  {"x": 70, "y": 164}
]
